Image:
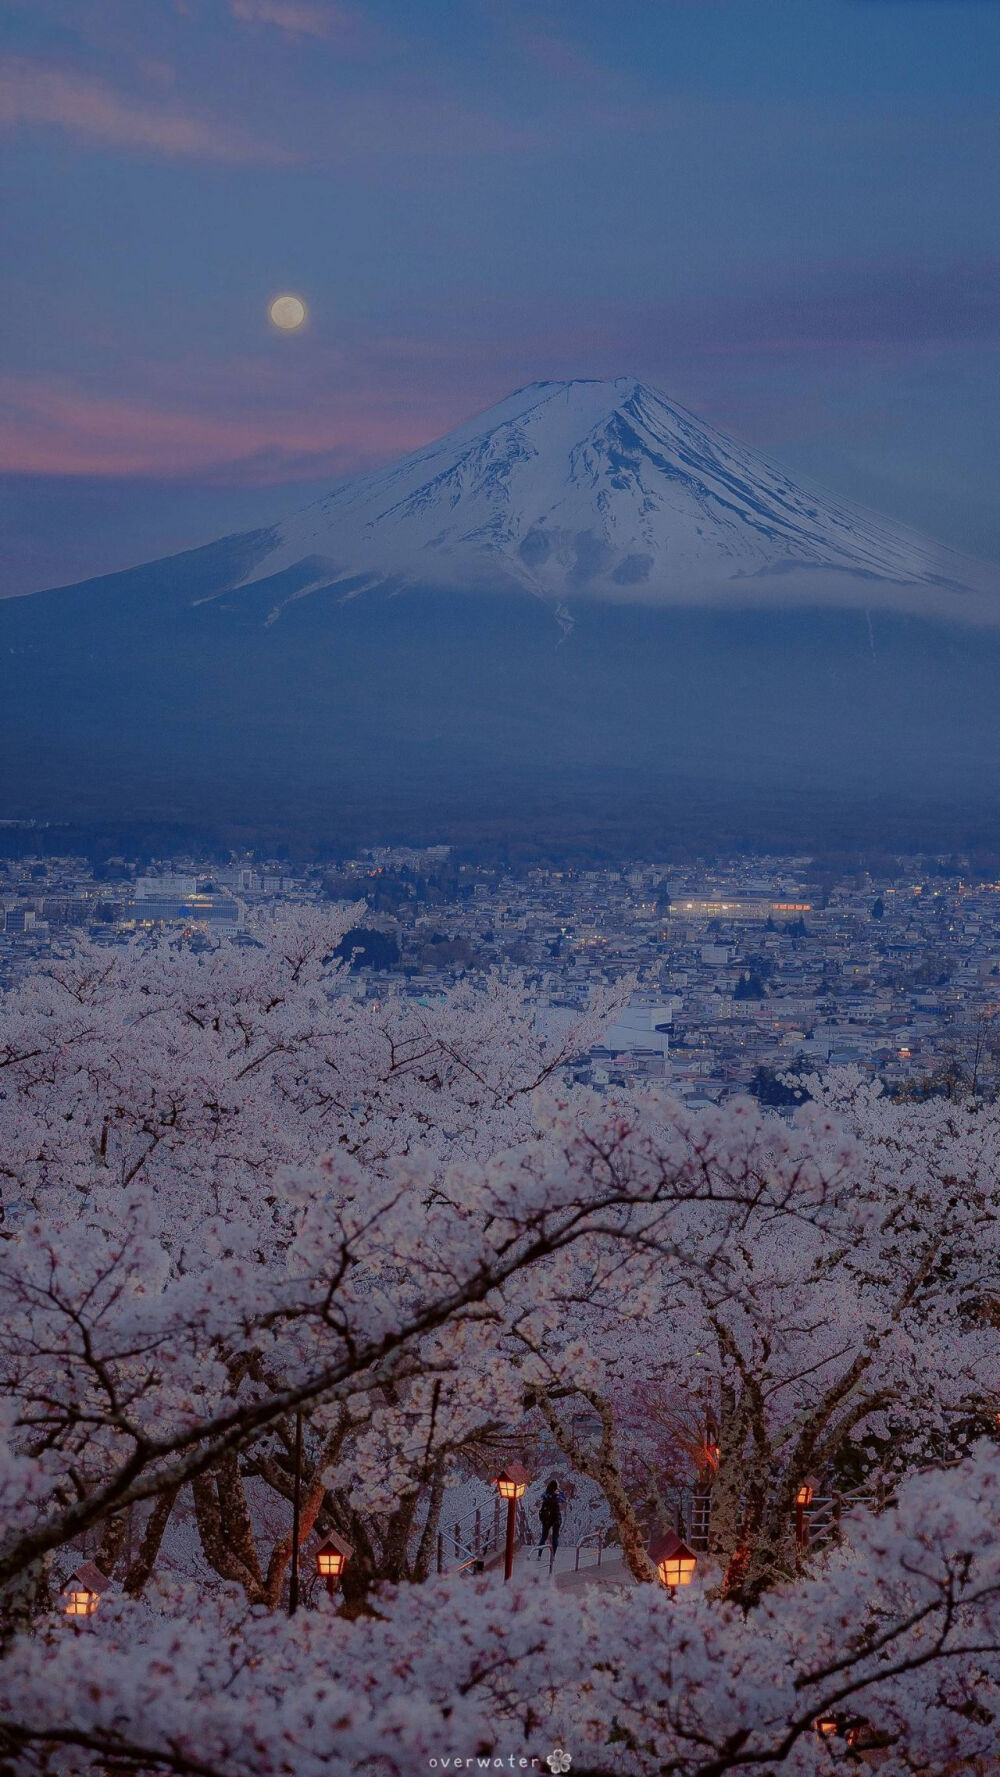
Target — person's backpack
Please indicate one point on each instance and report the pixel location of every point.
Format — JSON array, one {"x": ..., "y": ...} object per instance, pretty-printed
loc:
[{"x": 548, "y": 1511}]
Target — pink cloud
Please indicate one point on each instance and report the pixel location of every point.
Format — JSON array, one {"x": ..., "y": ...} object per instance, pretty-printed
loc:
[
  {"x": 54, "y": 427},
  {"x": 332, "y": 403},
  {"x": 34, "y": 94}
]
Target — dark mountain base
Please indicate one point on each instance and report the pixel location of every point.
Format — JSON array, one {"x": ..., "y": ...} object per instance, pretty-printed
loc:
[
  {"x": 422, "y": 715},
  {"x": 678, "y": 828}
]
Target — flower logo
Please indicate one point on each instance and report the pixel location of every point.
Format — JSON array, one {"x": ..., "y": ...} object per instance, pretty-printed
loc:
[{"x": 559, "y": 1761}]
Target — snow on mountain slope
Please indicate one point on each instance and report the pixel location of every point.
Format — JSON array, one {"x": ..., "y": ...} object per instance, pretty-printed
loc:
[{"x": 603, "y": 488}]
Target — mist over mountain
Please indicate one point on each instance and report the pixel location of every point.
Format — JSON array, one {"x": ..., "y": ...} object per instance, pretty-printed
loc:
[{"x": 582, "y": 608}]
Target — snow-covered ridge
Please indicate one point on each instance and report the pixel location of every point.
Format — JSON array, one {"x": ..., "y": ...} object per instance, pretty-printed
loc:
[{"x": 605, "y": 489}]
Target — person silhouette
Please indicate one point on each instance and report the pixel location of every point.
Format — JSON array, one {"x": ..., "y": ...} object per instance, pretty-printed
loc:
[{"x": 550, "y": 1518}]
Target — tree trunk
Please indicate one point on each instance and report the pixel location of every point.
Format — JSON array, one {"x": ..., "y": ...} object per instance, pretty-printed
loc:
[
  {"x": 767, "y": 1547},
  {"x": 313, "y": 1496},
  {"x": 112, "y": 1543},
  {"x": 139, "y": 1572},
  {"x": 395, "y": 1566},
  {"x": 428, "y": 1536},
  {"x": 237, "y": 1523},
  {"x": 23, "y": 1601},
  {"x": 228, "y": 1560},
  {"x": 602, "y": 1466},
  {"x": 725, "y": 1518},
  {"x": 281, "y": 1554}
]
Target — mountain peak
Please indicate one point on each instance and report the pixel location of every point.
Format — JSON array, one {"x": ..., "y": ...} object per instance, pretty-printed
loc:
[{"x": 602, "y": 487}]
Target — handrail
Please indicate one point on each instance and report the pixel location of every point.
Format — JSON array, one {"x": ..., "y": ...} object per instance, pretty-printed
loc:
[
  {"x": 475, "y": 1540},
  {"x": 478, "y": 1542},
  {"x": 600, "y": 1536}
]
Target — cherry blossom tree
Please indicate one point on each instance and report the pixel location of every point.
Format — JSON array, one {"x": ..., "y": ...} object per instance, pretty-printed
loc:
[
  {"x": 895, "y": 1645},
  {"x": 235, "y": 1194},
  {"x": 850, "y": 1337},
  {"x": 154, "y": 1100}
]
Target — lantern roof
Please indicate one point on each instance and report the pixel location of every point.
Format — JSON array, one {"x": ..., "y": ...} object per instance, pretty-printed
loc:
[
  {"x": 514, "y": 1471},
  {"x": 668, "y": 1546},
  {"x": 87, "y": 1578},
  {"x": 336, "y": 1545}
]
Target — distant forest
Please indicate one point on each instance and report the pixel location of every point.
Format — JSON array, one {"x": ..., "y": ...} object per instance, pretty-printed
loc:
[{"x": 971, "y": 853}]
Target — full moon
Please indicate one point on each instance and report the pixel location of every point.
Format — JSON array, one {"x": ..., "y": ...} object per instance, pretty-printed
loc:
[{"x": 287, "y": 312}]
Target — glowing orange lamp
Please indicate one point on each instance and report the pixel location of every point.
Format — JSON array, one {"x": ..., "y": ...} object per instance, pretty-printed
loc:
[
  {"x": 804, "y": 1495},
  {"x": 674, "y": 1561},
  {"x": 82, "y": 1591},
  {"x": 332, "y": 1557}
]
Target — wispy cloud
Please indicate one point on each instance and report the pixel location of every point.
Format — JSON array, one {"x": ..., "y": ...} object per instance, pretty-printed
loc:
[
  {"x": 332, "y": 405},
  {"x": 38, "y": 94},
  {"x": 901, "y": 304},
  {"x": 304, "y": 18},
  {"x": 563, "y": 59},
  {"x": 57, "y": 426}
]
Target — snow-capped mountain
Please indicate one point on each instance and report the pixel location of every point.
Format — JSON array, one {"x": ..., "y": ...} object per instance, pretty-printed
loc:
[
  {"x": 582, "y": 613},
  {"x": 603, "y": 488}
]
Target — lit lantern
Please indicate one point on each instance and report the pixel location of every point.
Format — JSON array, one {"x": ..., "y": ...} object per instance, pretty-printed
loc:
[
  {"x": 80, "y": 1602},
  {"x": 332, "y": 1557},
  {"x": 512, "y": 1481},
  {"x": 510, "y": 1484},
  {"x": 82, "y": 1591},
  {"x": 674, "y": 1561},
  {"x": 825, "y": 1726},
  {"x": 804, "y": 1496}
]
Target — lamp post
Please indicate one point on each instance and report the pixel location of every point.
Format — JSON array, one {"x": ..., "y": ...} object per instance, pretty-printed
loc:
[
  {"x": 674, "y": 1561},
  {"x": 332, "y": 1557},
  {"x": 804, "y": 1495},
  {"x": 293, "y": 1580},
  {"x": 510, "y": 1484}
]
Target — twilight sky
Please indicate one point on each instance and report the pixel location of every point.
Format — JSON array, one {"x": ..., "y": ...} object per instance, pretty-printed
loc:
[{"x": 781, "y": 212}]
